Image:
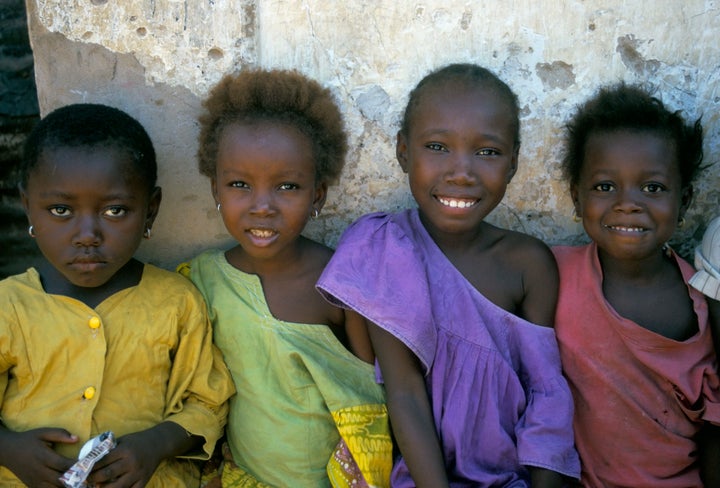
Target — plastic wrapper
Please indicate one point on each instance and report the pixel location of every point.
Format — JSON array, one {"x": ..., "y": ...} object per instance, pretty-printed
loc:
[{"x": 92, "y": 452}]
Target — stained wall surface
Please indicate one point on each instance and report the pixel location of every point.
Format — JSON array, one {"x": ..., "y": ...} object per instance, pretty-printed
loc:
[{"x": 157, "y": 59}]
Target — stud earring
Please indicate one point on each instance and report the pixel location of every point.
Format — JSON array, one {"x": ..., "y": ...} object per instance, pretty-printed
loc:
[
  {"x": 576, "y": 218},
  {"x": 31, "y": 231},
  {"x": 147, "y": 233},
  {"x": 315, "y": 213},
  {"x": 681, "y": 222}
]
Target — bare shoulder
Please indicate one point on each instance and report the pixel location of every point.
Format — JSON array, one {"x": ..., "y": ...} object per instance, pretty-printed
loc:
[
  {"x": 316, "y": 255},
  {"x": 531, "y": 259},
  {"x": 525, "y": 251}
]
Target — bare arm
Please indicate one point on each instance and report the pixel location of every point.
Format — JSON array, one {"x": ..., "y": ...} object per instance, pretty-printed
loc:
[
  {"x": 709, "y": 444},
  {"x": 358, "y": 337},
  {"x": 540, "y": 285},
  {"x": 409, "y": 408}
]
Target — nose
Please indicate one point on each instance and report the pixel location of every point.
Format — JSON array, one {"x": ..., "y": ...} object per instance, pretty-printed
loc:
[
  {"x": 628, "y": 200},
  {"x": 263, "y": 203},
  {"x": 460, "y": 169},
  {"x": 88, "y": 231}
]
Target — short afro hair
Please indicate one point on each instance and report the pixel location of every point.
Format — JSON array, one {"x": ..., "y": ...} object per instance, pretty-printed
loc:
[
  {"x": 469, "y": 75},
  {"x": 631, "y": 108},
  {"x": 282, "y": 96},
  {"x": 90, "y": 125}
]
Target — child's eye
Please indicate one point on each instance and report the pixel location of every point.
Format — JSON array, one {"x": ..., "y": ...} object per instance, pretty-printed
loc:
[
  {"x": 487, "y": 152},
  {"x": 288, "y": 186},
  {"x": 653, "y": 188},
  {"x": 115, "y": 212},
  {"x": 603, "y": 187},
  {"x": 434, "y": 146},
  {"x": 239, "y": 184},
  {"x": 60, "y": 211}
]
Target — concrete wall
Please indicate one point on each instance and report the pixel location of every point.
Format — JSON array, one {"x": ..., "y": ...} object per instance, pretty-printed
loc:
[{"x": 157, "y": 59}]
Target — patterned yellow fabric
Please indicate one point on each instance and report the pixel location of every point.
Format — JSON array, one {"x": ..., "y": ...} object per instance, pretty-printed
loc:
[{"x": 365, "y": 432}]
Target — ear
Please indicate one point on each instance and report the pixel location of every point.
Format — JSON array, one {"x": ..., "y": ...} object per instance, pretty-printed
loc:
[
  {"x": 575, "y": 199},
  {"x": 24, "y": 199},
  {"x": 320, "y": 195},
  {"x": 401, "y": 151},
  {"x": 153, "y": 206},
  {"x": 686, "y": 199},
  {"x": 213, "y": 188},
  {"x": 513, "y": 164}
]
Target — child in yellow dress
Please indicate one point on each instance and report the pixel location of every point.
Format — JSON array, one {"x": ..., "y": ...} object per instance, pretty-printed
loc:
[{"x": 93, "y": 340}]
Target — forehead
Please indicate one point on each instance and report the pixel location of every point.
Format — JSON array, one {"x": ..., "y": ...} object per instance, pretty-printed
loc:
[
  {"x": 272, "y": 138},
  {"x": 86, "y": 165},
  {"x": 644, "y": 150},
  {"x": 461, "y": 101}
]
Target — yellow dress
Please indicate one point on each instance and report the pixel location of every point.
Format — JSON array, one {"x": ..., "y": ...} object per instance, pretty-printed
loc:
[{"x": 142, "y": 356}]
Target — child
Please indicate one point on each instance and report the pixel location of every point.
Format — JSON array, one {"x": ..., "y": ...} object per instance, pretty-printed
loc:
[
  {"x": 308, "y": 412},
  {"x": 475, "y": 390},
  {"x": 634, "y": 339},
  {"x": 94, "y": 340},
  {"x": 707, "y": 277}
]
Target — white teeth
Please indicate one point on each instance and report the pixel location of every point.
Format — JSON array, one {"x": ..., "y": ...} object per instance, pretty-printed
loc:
[
  {"x": 456, "y": 203},
  {"x": 262, "y": 233},
  {"x": 626, "y": 229}
]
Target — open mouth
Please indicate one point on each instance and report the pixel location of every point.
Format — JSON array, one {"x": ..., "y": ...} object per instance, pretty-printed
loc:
[
  {"x": 622, "y": 228},
  {"x": 262, "y": 233},
  {"x": 457, "y": 202}
]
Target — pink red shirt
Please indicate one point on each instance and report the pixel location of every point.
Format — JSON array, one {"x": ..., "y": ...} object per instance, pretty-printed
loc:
[{"x": 640, "y": 398}]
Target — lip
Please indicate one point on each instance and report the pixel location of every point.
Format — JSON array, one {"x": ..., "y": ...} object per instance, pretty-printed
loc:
[
  {"x": 460, "y": 203},
  {"x": 626, "y": 229},
  {"x": 262, "y": 236},
  {"x": 88, "y": 264}
]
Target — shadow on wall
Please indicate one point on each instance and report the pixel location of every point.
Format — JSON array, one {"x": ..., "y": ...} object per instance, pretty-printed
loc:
[{"x": 18, "y": 114}]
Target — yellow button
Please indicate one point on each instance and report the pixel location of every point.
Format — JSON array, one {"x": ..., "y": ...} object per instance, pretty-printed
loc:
[
  {"x": 89, "y": 393},
  {"x": 94, "y": 322}
]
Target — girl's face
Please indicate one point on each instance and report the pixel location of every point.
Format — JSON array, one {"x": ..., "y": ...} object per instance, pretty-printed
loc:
[
  {"x": 629, "y": 193},
  {"x": 89, "y": 209},
  {"x": 265, "y": 185},
  {"x": 460, "y": 155}
]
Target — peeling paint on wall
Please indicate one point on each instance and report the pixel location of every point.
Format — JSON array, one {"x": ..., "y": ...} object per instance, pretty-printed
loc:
[{"x": 158, "y": 58}]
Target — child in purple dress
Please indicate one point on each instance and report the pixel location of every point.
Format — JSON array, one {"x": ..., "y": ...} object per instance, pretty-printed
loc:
[{"x": 461, "y": 310}]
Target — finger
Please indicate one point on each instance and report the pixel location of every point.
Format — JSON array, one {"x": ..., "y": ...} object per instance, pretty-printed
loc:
[{"x": 53, "y": 435}]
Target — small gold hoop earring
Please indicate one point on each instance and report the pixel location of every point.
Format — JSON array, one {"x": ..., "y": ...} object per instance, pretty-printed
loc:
[
  {"x": 147, "y": 233},
  {"x": 315, "y": 213},
  {"x": 31, "y": 231},
  {"x": 681, "y": 222},
  {"x": 576, "y": 218}
]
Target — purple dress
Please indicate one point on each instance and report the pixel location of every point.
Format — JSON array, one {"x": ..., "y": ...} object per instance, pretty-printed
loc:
[{"x": 497, "y": 394}]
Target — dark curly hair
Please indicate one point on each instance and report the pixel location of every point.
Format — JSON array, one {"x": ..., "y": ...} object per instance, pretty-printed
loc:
[
  {"x": 622, "y": 107},
  {"x": 90, "y": 125},
  {"x": 276, "y": 96},
  {"x": 469, "y": 75}
]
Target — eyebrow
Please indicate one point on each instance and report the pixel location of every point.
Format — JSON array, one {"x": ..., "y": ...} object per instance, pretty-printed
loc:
[
  {"x": 70, "y": 196},
  {"x": 484, "y": 135}
]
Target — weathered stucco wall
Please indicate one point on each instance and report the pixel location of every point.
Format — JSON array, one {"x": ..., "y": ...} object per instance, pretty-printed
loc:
[{"x": 157, "y": 59}]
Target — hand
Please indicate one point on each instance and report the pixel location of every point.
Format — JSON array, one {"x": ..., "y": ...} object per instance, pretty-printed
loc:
[
  {"x": 30, "y": 456},
  {"x": 130, "y": 464},
  {"x": 136, "y": 457}
]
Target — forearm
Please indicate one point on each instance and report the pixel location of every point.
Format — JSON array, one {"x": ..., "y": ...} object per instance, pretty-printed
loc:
[
  {"x": 544, "y": 478},
  {"x": 414, "y": 431},
  {"x": 709, "y": 445},
  {"x": 170, "y": 440}
]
